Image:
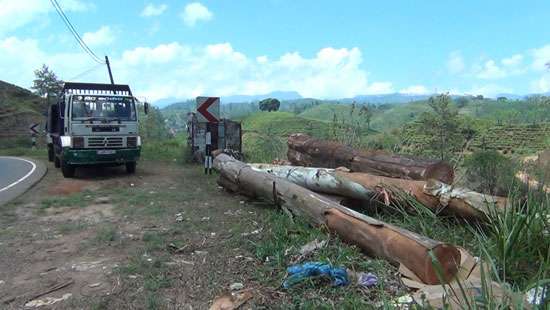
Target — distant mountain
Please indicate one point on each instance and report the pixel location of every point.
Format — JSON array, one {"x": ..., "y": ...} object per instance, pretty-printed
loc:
[
  {"x": 510, "y": 96},
  {"x": 385, "y": 98},
  {"x": 162, "y": 103},
  {"x": 281, "y": 95}
]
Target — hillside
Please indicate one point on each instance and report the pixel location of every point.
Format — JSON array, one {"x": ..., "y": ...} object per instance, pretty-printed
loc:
[
  {"x": 19, "y": 108},
  {"x": 265, "y": 133}
]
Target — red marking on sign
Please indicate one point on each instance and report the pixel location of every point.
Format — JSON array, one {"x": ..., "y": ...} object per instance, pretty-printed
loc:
[
  {"x": 203, "y": 109},
  {"x": 32, "y": 128}
]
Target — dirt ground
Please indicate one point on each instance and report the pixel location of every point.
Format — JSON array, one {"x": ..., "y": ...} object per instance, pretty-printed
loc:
[{"x": 167, "y": 237}]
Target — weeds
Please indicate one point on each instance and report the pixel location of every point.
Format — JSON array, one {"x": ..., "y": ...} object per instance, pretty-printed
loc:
[{"x": 106, "y": 235}]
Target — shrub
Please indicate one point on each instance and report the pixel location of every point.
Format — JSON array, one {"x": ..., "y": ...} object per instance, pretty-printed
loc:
[{"x": 490, "y": 172}]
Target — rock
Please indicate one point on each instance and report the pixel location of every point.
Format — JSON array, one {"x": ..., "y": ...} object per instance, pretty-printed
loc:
[
  {"x": 102, "y": 200},
  {"x": 236, "y": 286}
]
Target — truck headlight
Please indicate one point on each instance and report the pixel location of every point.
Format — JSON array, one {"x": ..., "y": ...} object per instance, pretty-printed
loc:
[
  {"x": 66, "y": 141},
  {"x": 78, "y": 142},
  {"x": 138, "y": 141}
]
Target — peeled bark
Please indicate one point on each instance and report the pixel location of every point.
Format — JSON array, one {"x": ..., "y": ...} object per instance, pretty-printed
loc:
[
  {"x": 434, "y": 195},
  {"x": 304, "y": 150},
  {"x": 376, "y": 238}
]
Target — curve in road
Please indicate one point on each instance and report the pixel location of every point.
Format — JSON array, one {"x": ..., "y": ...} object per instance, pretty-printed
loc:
[{"x": 17, "y": 175}]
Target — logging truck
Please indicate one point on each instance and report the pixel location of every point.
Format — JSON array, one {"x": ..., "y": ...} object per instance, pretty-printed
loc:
[{"x": 93, "y": 124}]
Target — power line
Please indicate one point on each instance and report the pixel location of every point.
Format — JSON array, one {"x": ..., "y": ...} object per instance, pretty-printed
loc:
[
  {"x": 85, "y": 72},
  {"x": 75, "y": 34}
]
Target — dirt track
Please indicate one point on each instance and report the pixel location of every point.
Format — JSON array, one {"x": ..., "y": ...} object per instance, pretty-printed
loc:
[{"x": 166, "y": 237}]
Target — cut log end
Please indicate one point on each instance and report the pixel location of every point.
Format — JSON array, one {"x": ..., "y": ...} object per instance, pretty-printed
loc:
[
  {"x": 441, "y": 171},
  {"x": 445, "y": 266}
]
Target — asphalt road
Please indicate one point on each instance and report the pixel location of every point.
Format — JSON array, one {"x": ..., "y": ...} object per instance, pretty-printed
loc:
[{"x": 17, "y": 175}]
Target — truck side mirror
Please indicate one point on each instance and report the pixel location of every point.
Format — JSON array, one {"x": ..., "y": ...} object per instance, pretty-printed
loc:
[{"x": 146, "y": 107}]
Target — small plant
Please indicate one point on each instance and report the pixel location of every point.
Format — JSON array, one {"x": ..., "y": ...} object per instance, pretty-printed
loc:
[{"x": 490, "y": 172}]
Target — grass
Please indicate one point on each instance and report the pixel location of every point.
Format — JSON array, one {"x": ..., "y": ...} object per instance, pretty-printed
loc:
[
  {"x": 172, "y": 150},
  {"x": 80, "y": 199},
  {"x": 67, "y": 228},
  {"x": 282, "y": 242},
  {"x": 153, "y": 276},
  {"x": 106, "y": 234}
]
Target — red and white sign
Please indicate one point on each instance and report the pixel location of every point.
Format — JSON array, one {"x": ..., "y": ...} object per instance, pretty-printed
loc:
[
  {"x": 32, "y": 128},
  {"x": 208, "y": 109}
]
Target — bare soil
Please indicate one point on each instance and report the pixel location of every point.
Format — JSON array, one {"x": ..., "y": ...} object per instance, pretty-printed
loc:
[{"x": 166, "y": 237}]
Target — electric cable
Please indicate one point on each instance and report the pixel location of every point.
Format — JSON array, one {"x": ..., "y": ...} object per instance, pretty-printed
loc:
[{"x": 75, "y": 34}]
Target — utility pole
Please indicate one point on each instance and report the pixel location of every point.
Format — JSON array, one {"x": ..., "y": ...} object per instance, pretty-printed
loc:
[{"x": 109, "y": 69}]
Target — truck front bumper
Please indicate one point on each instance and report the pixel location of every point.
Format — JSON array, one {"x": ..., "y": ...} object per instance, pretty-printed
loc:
[{"x": 100, "y": 156}]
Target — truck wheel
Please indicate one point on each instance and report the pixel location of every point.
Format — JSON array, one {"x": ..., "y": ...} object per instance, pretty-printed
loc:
[
  {"x": 131, "y": 167},
  {"x": 50, "y": 153},
  {"x": 56, "y": 162},
  {"x": 67, "y": 170}
]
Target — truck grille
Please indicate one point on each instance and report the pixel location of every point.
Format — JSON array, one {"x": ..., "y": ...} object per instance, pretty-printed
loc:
[{"x": 102, "y": 142}]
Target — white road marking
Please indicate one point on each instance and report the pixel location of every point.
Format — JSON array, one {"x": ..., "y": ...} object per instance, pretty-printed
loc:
[{"x": 24, "y": 177}]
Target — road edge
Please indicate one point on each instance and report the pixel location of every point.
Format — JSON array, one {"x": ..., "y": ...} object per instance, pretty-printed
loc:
[{"x": 25, "y": 184}]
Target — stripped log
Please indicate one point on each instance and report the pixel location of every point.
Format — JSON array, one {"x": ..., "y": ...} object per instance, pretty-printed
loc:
[
  {"x": 376, "y": 238},
  {"x": 304, "y": 150},
  {"x": 433, "y": 194}
]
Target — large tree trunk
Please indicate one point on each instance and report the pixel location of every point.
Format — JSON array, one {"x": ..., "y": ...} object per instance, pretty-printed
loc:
[
  {"x": 434, "y": 195},
  {"x": 304, "y": 150},
  {"x": 374, "y": 237}
]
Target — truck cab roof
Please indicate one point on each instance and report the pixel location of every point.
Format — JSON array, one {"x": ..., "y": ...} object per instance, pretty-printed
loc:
[{"x": 73, "y": 88}]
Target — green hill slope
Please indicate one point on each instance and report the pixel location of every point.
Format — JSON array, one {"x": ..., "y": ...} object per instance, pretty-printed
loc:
[
  {"x": 19, "y": 108},
  {"x": 265, "y": 133}
]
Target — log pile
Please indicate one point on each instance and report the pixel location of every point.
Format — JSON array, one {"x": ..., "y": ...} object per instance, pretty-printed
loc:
[
  {"x": 434, "y": 195},
  {"x": 306, "y": 151},
  {"x": 375, "y": 237}
]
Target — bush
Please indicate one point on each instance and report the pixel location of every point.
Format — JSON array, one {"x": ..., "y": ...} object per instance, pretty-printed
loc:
[{"x": 490, "y": 172}]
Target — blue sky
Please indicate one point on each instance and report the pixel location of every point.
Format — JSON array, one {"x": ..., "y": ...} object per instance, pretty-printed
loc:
[{"x": 325, "y": 49}]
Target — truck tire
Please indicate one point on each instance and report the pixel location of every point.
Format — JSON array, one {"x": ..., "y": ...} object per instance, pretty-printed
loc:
[
  {"x": 56, "y": 161},
  {"x": 131, "y": 167},
  {"x": 67, "y": 169},
  {"x": 51, "y": 155}
]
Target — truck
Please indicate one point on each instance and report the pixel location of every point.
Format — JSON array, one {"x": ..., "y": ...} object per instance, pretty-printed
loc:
[{"x": 93, "y": 124}]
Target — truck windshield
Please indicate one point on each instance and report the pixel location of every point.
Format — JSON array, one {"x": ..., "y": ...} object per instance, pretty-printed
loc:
[{"x": 103, "y": 107}]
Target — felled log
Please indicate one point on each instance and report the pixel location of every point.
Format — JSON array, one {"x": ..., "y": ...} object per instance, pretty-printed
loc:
[
  {"x": 376, "y": 238},
  {"x": 433, "y": 194},
  {"x": 304, "y": 150}
]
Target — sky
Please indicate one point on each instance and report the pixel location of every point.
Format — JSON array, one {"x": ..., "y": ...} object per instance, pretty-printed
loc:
[{"x": 322, "y": 49}]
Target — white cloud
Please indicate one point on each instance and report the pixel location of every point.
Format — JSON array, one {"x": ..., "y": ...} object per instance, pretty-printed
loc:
[
  {"x": 415, "y": 90},
  {"x": 103, "y": 36},
  {"x": 378, "y": 88},
  {"x": 490, "y": 70},
  {"x": 153, "y": 10},
  {"x": 510, "y": 66},
  {"x": 513, "y": 61},
  {"x": 195, "y": 12},
  {"x": 17, "y": 13},
  {"x": 541, "y": 58},
  {"x": 455, "y": 63},
  {"x": 541, "y": 85},
  {"x": 177, "y": 70}
]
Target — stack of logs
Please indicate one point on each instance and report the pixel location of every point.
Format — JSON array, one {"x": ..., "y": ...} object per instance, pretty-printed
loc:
[{"x": 340, "y": 171}]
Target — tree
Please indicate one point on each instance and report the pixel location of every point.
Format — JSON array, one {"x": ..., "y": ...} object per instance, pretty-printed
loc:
[
  {"x": 46, "y": 83},
  {"x": 269, "y": 104},
  {"x": 461, "y": 101},
  {"x": 367, "y": 112},
  {"x": 442, "y": 127},
  {"x": 490, "y": 172}
]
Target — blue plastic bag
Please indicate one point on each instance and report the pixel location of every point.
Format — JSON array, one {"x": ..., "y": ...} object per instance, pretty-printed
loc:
[{"x": 298, "y": 273}]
